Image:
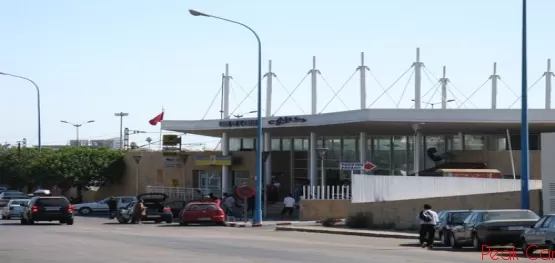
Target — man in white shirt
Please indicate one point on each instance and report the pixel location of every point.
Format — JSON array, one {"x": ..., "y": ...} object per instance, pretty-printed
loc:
[
  {"x": 428, "y": 219},
  {"x": 288, "y": 206},
  {"x": 229, "y": 205}
]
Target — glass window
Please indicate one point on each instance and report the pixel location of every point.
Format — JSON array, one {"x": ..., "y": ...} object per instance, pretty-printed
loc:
[
  {"x": 241, "y": 178},
  {"x": 286, "y": 144},
  {"x": 548, "y": 222},
  {"x": 551, "y": 224},
  {"x": 200, "y": 207},
  {"x": 47, "y": 202},
  {"x": 470, "y": 218},
  {"x": 248, "y": 143},
  {"x": 300, "y": 144},
  {"x": 234, "y": 144},
  {"x": 382, "y": 155},
  {"x": 400, "y": 156},
  {"x": 510, "y": 214},
  {"x": 276, "y": 145},
  {"x": 540, "y": 222},
  {"x": 127, "y": 200},
  {"x": 473, "y": 142},
  {"x": 458, "y": 217}
]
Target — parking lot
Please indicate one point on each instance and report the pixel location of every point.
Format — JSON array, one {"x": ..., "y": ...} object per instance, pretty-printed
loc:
[{"x": 95, "y": 240}]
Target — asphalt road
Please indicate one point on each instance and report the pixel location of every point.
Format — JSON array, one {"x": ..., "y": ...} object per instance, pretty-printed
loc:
[{"x": 93, "y": 240}]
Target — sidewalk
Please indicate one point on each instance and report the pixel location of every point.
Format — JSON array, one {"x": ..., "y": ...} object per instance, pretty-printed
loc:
[
  {"x": 273, "y": 223},
  {"x": 347, "y": 231}
]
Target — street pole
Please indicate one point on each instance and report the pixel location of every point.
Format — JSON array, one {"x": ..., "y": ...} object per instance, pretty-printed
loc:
[
  {"x": 77, "y": 133},
  {"x": 137, "y": 159},
  {"x": 258, "y": 173},
  {"x": 524, "y": 147},
  {"x": 38, "y": 105},
  {"x": 121, "y": 115}
]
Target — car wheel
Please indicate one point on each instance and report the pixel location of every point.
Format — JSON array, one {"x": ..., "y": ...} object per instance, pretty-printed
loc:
[
  {"x": 222, "y": 223},
  {"x": 169, "y": 221},
  {"x": 30, "y": 221},
  {"x": 445, "y": 240},
  {"x": 157, "y": 222},
  {"x": 122, "y": 221},
  {"x": 476, "y": 243},
  {"x": 69, "y": 222},
  {"x": 453, "y": 241},
  {"x": 525, "y": 247},
  {"x": 182, "y": 223},
  {"x": 4, "y": 218},
  {"x": 85, "y": 211}
]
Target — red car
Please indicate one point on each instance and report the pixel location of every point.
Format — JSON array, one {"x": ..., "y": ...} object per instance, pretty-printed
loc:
[{"x": 201, "y": 213}]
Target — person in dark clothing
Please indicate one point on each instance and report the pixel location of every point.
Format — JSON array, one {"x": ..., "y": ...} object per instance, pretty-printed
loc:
[
  {"x": 112, "y": 207},
  {"x": 213, "y": 197},
  {"x": 428, "y": 219}
]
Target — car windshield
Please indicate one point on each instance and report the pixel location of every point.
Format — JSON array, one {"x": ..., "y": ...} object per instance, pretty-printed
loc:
[
  {"x": 459, "y": 217},
  {"x": 508, "y": 215},
  {"x": 18, "y": 202},
  {"x": 13, "y": 194},
  {"x": 50, "y": 202},
  {"x": 199, "y": 207}
]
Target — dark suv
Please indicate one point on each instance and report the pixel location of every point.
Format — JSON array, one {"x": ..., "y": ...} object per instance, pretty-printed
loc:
[{"x": 47, "y": 208}]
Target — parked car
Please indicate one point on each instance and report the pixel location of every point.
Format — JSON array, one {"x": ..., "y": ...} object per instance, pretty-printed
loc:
[
  {"x": 176, "y": 207},
  {"x": 155, "y": 209},
  {"x": 13, "y": 208},
  {"x": 448, "y": 220},
  {"x": 47, "y": 208},
  {"x": 492, "y": 228},
  {"x": 6, "y": 196},
  {"x": 540, "y": 236},
  {"x": 102, "y": 205},
  {"x": 202, "y": 212}
]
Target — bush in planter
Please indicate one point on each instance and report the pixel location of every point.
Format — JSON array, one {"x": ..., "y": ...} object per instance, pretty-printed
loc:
[
  {"x": 328, "y": 222},
  {"x": 360, "y": 220}
]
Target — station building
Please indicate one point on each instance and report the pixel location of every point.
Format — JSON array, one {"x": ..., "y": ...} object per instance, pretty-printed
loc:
[{"x": 400, "y": 142}]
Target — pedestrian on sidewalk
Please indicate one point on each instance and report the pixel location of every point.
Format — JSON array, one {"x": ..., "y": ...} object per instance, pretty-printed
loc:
[
  {"x": 229, "y": 206},
  {"x": 428, "y": 219},
  {"x": 288, "y": 206}
]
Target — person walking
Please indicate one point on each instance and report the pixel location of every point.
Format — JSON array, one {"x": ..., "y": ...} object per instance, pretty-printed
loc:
[
  {"x": 229, "y": 206},
  {"x": 428, "y": 219},
  {"x": 112, "y": 207},
  {"x": 138, "y": 212},
  {"x": 288, "y": 206}
]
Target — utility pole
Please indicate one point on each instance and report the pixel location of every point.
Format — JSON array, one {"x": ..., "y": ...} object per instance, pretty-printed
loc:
[
  {"x": 126, "y": 133},
  {"x": 121, "y": 115}
]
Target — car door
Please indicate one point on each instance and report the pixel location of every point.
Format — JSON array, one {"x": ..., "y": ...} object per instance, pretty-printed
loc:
[
  {"x": 530, "y": 234},
  {"x": 459, "y": 231},
  {"x": 540, "y": 235},
  {"x": 469, "y": 228}
]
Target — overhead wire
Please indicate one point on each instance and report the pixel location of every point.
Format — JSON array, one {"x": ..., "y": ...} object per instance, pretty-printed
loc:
[
  {"x": 461, "y": 93},
  {"x": 430, "y": 101},
  {"x": 393, "y": 84},
  {"x": 381, "y": 86},
  {"x": 427, "y": 73},
  {"x": 244, "y": 99},
  {"x": 291, "y": 94},
  {"x": 519, "y": 97},
  {"x": 334, "y": 92},
  {"x": 293, "y": 99},
  {"x": 473, "y": 93},
  {"x": 405, "y": 89},
  {"x": 214, "y": 99},
  {"x": 339, "y": 90},
  {"x": 507, "y": 86},
  {"x": 244, "y": 91}
]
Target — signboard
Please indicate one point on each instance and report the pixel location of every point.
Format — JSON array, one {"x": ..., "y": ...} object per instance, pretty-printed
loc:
[
  {"x": 245, "y": 191},
  {"x": 351, "y": 166},
  {"x": 238, "y": 123},
  {"x": 218, "y": 160},
  {"x": 137, "y": 158},
  {"x": 172, "y": 162},
  {"x": 286, "y": 120},
  {"x": 367, "y": 166},
  {"x": 171, "y": 140}
]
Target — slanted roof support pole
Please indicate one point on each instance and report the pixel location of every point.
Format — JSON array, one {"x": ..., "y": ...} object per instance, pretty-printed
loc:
[
  {"x": 444, "y": 80},
  {"x": 269, "y": 78},
  {"x": 226, "y": 179},
  {"x": 494, "y": 78},
  {"x": 362, "y": 71},
  {"x": 314, "y": 73},
  {"x": 417, "y": 80},
  {"x": 548, "y": 74}
]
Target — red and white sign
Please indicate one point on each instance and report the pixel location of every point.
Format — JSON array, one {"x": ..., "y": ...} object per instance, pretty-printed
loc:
[{"x": 368, "y": 166}]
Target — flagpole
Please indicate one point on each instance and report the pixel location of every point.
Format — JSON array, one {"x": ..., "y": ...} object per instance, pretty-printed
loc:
[{"x": 161, "y": 142}]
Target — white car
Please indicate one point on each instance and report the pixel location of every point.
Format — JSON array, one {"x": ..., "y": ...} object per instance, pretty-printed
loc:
[
  {"x": 102, "y": 205},
  {"x": 13, "y": 208}
]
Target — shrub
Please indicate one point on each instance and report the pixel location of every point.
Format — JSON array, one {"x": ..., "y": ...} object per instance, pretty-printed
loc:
[{"x": 360, "y": 220}]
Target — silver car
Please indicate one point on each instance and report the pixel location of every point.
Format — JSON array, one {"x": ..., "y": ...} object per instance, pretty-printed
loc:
[{"x": 14, "y": 208}]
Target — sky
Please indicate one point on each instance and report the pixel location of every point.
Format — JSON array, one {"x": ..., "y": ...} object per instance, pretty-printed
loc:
[{"x": 92, "y": 59}]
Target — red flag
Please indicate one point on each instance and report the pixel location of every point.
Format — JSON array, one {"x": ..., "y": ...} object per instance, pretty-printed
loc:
[{"x": 157, "y": 119}]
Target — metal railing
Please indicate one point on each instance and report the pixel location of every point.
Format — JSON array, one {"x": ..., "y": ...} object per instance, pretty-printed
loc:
[
  {"x": 328, "y": 192},
  {"x": 182, "y": 193}
]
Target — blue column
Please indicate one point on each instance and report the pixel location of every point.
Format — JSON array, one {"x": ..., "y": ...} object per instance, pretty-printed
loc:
[{"x": 525, "y": 170}]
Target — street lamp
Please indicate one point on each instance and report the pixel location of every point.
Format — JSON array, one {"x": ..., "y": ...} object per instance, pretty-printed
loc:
[
  {"x": 435, "y": 103},
  {"x": 242, "y": 115},
  {"x": 258, "y": 178},
  {"x": 121, "y": 115},
  {"x": 525, "y": 146},
  {"x": 77, "y": 126},
  {"x": 322, "y": 153},
  {"x": 38, "y": 104}
]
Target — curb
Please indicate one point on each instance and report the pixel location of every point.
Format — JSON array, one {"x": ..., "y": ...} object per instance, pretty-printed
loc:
[
  {"x": 347, "y": 233},
  {"x": 235, "y": 225},
  {"x": 335, "y": 221}
]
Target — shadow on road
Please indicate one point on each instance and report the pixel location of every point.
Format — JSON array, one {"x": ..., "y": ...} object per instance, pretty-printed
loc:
[
  {"x": 196, "y": 225},
  {"x": 438, "y": 247},
  {"x": 35, "y": 224}
]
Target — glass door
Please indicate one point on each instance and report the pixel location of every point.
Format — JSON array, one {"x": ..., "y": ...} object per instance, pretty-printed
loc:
[{"x": 210, "y": 182}]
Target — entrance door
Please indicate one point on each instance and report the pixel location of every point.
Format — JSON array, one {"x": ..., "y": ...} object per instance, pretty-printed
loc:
[{"x": 210, "y": 182}]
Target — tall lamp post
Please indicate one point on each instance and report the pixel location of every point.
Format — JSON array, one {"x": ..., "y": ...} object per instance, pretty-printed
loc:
[
  {"x": 322, "y": 153},
  {"x": 258, "y": 179},
  {"x": 121, "y": 115},
  {"x": 38, "y": 105},
  {"x": 77, "y": 126},
  {"x": 524, "y": 147}
]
